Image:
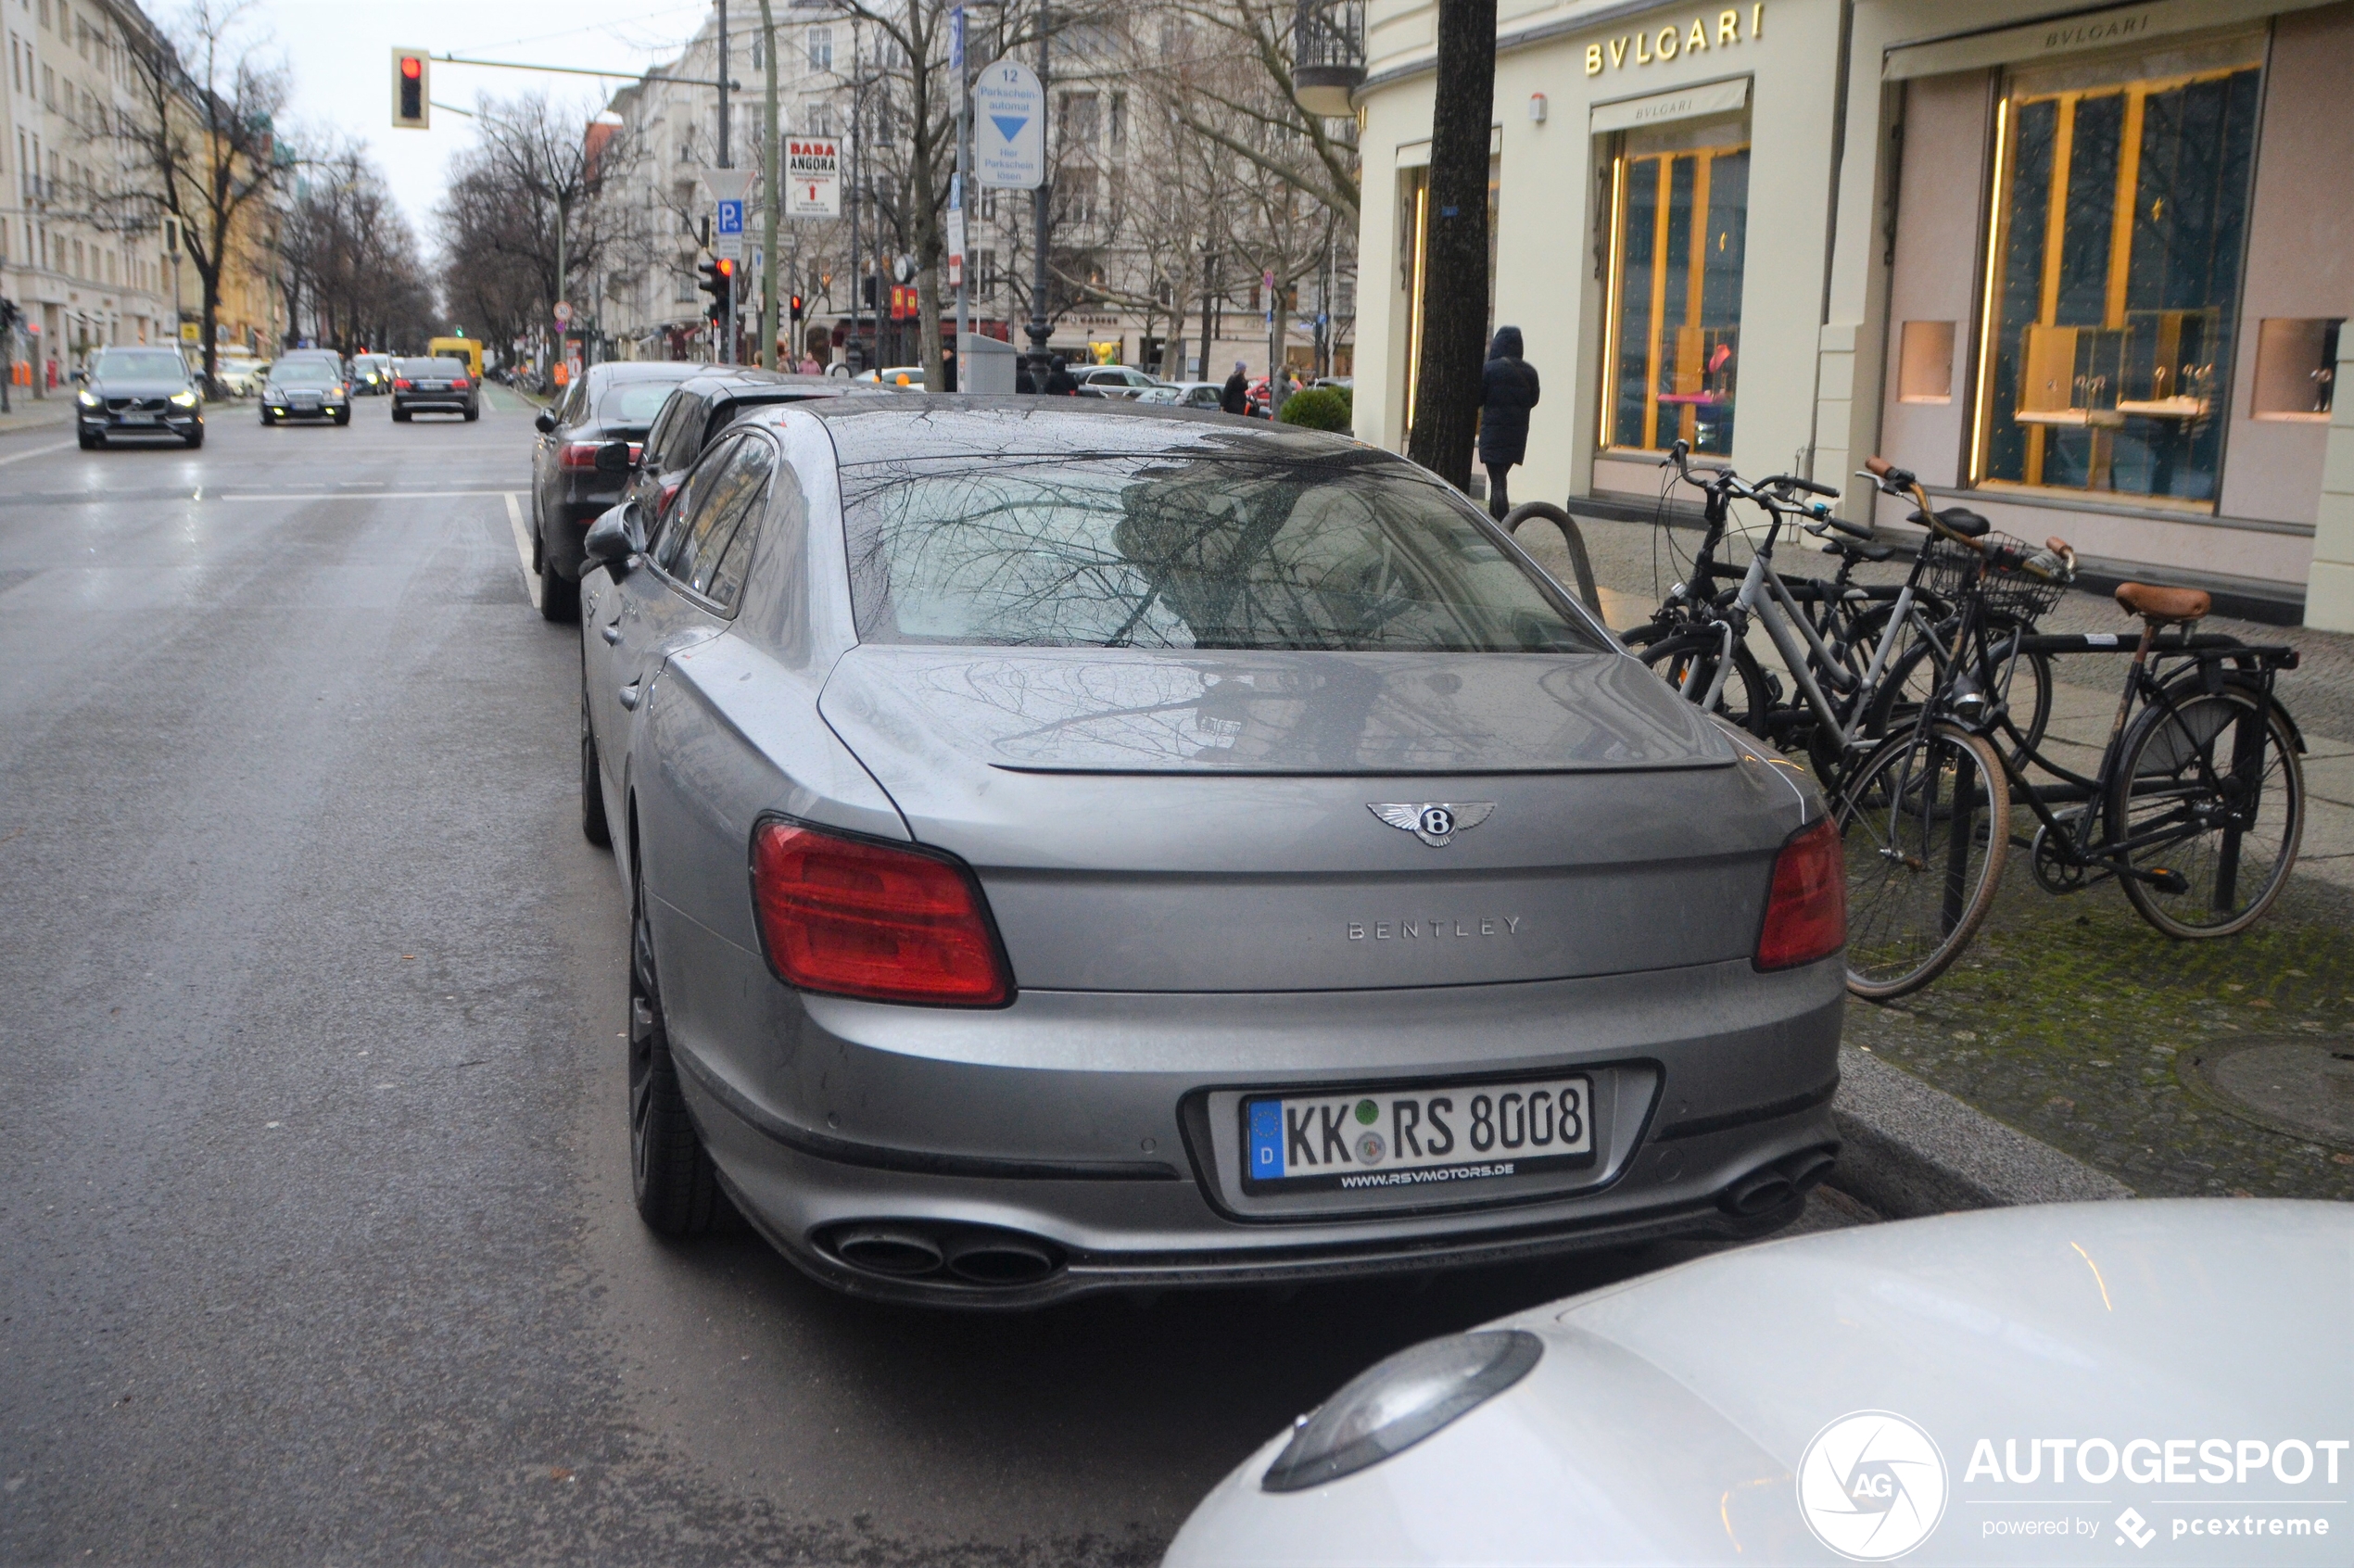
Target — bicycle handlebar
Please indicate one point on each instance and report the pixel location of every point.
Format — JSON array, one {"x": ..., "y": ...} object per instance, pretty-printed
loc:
[{"x": 2060, "y": 563}]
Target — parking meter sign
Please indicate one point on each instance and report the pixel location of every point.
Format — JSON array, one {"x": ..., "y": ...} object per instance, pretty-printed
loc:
[{"x": 1009, "y": 127}]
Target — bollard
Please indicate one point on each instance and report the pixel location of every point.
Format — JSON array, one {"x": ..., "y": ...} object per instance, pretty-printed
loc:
[{"x": 1570, "y": 535}]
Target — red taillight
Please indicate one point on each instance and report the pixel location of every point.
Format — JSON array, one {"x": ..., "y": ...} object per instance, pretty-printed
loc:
[
  {"x": 855, "y": 919},
  {"x": 458, "y": 383},
  {"x": 400, "y": 384},
  {"x": 669, "y": 489},
  {"x": 1806, "y": 910},
  {"x": 579, "y": 454}
]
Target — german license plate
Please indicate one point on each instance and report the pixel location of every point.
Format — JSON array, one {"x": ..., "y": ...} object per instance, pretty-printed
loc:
[
  {"x": 1434, "y": 1135},
  {"x": 138, "y": 419}
]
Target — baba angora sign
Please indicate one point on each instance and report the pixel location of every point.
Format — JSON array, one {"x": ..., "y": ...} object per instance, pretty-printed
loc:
[{"x": 813, "y": 177}]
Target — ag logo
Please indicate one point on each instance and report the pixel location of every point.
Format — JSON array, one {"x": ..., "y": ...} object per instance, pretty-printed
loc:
[
  {"x": 1433, "y": 822},
  {"x": 1871, "y": 1485}
]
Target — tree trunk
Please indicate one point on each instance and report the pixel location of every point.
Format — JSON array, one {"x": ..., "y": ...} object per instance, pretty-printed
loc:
[{"x": 1454, "y": 302}]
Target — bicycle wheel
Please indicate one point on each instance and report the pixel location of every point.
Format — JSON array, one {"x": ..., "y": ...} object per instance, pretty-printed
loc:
[
  {"x": 1925, "y": 824},
  {"x": 1686, "y": 657},
  {"x": 2216, "y": 788},
  {"x": 2022, "y": 681}
]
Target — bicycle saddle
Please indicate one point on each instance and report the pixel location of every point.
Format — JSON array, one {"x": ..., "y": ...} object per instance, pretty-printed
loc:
[
  {"x": 1855, "y": 552},
  {"x": 1961, "y": 520},
  {"x": 2160, "y": 605}
]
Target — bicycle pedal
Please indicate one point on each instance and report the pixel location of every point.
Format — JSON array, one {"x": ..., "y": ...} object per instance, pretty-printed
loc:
[{"x": 2167, "y": 881}]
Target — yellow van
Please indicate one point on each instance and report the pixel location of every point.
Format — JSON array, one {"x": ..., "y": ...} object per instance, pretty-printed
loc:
[{"x": 466, "y": 348}]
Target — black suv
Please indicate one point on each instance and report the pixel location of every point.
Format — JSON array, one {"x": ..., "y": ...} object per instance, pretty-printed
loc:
[
  {"x": 137, "y": 392},
  {"x": 701, "y": 408}
]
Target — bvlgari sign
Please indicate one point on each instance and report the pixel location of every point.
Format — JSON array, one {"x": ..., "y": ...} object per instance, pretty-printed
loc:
[
  {"x": 2085, "y": 32},
  {"x": 1704, "y": 34}
]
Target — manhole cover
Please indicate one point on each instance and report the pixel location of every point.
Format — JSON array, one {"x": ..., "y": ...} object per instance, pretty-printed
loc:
[{"x": 2302, "y": 1086}]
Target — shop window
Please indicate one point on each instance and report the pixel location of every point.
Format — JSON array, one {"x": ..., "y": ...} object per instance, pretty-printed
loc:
[
  {"x": 1925, "y": 363},
  {"x": 2295, "y": 368},
  {"x": 2119, "y": 210},
  {"x": 1679, "y": 218},
  {"x": 1413, "y": 236}
]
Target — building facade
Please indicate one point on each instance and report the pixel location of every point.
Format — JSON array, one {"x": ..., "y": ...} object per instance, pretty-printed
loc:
[
  {"x": 83, "y": 269},
  {"x": 2084, "y": 270}
]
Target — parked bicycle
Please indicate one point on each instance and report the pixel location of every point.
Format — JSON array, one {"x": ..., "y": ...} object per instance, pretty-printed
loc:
[
  {"x": 1861, "y": 657},
  {"x": 2196, "y": 806}
]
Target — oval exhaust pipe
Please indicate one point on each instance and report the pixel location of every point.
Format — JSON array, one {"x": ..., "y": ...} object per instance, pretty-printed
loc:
[
  {"x": 1807, "y": 1168},
  {"x": 1000, "y": 1260},
  {"x": 1760, "y": 1191},
  {"x": 889, "y": 1251}
]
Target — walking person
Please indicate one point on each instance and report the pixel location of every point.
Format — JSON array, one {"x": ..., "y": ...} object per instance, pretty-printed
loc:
[
  {"x": 1237, "y": 398},
  {"x": 1507, "y": 391}
]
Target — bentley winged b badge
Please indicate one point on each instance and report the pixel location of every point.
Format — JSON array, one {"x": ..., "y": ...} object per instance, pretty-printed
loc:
[{"x": 1433, "y": 822}]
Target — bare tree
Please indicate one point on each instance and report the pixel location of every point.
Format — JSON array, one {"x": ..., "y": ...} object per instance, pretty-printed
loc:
[
  {"x": 1226, "y": 70},
  {"x": 201, "y": 144},
  {"x": 522, "y": 202},
  {"x": 344, "y": 250},
  {"x": 1454, "y": 302}
]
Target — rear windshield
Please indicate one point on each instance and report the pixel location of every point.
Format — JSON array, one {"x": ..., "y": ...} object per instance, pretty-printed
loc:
[
  {"x": 1353, "y": 552},
  {"x": 154, "y": 364},
  {"x": 634, "y": 402},
  {"x": 434, "y": 370}
]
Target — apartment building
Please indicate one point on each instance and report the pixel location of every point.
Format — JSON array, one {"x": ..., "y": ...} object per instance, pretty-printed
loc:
[{"x": 83, "y": 269}]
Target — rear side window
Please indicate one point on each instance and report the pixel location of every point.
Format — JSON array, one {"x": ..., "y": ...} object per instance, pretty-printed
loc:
[
  {"x": 676, "y": 436},
  {"x": 633, "y": 402},
  {"x": 732, "y": 491}
]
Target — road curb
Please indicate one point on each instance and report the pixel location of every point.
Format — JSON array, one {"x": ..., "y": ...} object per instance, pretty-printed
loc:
[{"x": 1907, "y": 1150}]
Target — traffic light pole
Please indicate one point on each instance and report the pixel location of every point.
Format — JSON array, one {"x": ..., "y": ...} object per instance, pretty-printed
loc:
[
  {"x": 1040, "y": 328},
  {"x": 964, "y": 186},
  {"x": 727, "y": 320}
]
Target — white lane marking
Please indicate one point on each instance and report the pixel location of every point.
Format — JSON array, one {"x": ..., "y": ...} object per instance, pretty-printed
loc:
[
  {"x": 53, "y": 447},
  {"x": 523, "y": 547}
]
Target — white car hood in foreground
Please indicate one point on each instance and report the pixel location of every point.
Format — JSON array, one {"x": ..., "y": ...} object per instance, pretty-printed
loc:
[{"x": 1669, "y": 1417}]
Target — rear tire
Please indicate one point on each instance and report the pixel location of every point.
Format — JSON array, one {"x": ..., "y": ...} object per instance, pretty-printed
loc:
[
  {"x": 1686, "y": 658},
  {"x": 559, "y": 595},
  {"x": 593, "y": 825},
  {"x": 1921, "y": 869},
  {"x": 473, "y": 414},
  {"x": 671, "y": 1177},
  {"x": 2221, "y": 775},
  {"x": 399, "y": 416}
]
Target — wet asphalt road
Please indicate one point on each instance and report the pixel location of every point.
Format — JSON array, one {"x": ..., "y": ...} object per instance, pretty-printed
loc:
[{"x": 314, "y": 1235}]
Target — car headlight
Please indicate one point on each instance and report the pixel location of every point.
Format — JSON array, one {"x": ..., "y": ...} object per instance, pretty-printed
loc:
[
  {"x": 1400, "y": 1401},
  {"x": 86, "y": 398},
  {"x": 186, "y": 399}
]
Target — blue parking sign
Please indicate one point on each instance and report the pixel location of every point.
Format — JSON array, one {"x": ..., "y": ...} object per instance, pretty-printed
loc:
[{"x": 731, "y": 218}]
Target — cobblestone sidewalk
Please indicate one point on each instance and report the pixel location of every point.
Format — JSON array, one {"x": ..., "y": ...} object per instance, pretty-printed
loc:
[{"x": 2169, "y": 1064}]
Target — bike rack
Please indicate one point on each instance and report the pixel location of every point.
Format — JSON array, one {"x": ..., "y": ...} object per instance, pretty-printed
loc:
[{"x": 1570, "y": 535}]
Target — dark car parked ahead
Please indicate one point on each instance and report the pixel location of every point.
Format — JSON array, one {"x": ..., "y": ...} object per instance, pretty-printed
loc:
[
  {"x": 137, "y": 392},
  {"x": 701, "y": 408},
  {"x": 607, "y": 405},
  {"x": 433, "y": 387}
]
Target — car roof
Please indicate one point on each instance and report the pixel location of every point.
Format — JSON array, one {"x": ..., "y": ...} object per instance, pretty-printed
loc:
[
  {"x": 646, "y": 370},
  {"x": 740, "y": 382},
  {"x": 887, "y": 429}
]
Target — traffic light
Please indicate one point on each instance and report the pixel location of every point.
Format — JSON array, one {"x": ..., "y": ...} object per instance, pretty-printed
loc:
[
  {"x": 412, "y": 100},
  {"x": 796, "y": 310},
  {"x": 718, "y": 279}
]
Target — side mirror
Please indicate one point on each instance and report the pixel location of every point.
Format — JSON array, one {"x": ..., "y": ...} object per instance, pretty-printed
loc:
[
  {"x": 613, "y": 538},
  {"x": 546, "y": 422},
  {"x": 613, "y": 457}
]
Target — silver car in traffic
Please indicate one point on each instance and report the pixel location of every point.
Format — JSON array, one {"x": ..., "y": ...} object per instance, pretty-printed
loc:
[{"x": 1074, "y": 847}]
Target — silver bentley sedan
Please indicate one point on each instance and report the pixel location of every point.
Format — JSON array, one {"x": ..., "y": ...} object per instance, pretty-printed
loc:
[{"x": 1075, "y": 847}]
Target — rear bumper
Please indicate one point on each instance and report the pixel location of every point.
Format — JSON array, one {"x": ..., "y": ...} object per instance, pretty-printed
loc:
[
  {"x": 1079, "y": 1122},
  {"x": 433, "y": 402}
]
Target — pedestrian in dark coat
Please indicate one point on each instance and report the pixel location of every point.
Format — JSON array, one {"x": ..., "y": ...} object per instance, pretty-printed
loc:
[
  {"x": 1507, "y": 391},
  {"x": 1237, "y": 398},
  {"x": 1060, "y": 382}
]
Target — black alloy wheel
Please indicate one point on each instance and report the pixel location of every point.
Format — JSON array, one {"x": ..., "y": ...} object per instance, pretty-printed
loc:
[{"x": 671, "y": 1178}]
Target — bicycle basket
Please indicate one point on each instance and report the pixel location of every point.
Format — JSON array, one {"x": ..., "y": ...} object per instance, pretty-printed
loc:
[{"x": 2006, "y": 591}]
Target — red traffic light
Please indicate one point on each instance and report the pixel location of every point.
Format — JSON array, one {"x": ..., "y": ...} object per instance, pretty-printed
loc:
[
  {"x": 796, "y": 304},
  {"x": 727, "y": 267},
  {"x": 412, "y": 67}
]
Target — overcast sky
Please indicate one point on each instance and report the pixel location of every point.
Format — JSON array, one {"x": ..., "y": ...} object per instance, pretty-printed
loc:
[{"x": 340, "y": 52}]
